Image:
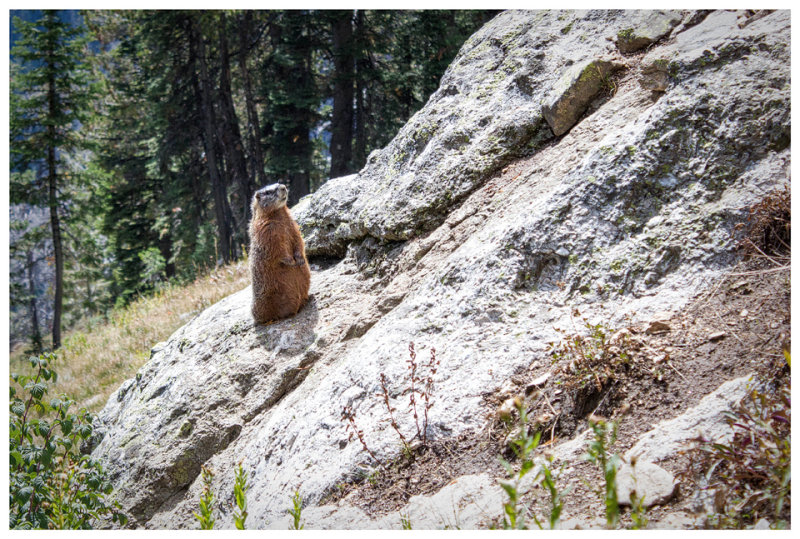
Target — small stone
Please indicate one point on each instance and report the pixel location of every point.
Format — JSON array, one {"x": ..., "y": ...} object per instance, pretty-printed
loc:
[
  {"x": 650, "y": 481},
  {"x": 506, "y": 409},
  {"x": 538, "y": 382},
  {"x": 762, "y": 524},
  {"x": 620, "y": 337},
  {"x": 717, "y": 335},
  {"x": 744, "y": 313},
  {"x": 657, "y": 326}
]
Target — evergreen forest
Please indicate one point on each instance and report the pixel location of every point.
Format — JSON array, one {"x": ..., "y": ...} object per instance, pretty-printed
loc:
[{"x": 137, "y": 138}]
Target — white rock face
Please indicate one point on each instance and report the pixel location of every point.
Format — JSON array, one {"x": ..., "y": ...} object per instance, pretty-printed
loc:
[{"x": 631, "y": 212}]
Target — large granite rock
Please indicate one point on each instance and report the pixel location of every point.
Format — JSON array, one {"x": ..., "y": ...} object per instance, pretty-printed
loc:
[{"x": 440, "y": 242}]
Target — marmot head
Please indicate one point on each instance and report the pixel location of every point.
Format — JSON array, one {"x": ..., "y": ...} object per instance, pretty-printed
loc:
[{"x": 270, "y": 198}]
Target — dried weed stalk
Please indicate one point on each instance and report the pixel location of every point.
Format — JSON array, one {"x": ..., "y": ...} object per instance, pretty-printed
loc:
[
  {"x": 350, "y": 416},
  {"x": 421, "y": 392},
  {"x": 768, "y": 230}
]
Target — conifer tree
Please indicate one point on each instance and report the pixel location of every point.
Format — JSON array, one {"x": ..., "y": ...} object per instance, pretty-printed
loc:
[{"x": 50, "y": 98}]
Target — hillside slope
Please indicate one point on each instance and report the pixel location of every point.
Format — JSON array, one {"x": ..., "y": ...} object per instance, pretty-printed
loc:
[{"x": 596, "y": 162}]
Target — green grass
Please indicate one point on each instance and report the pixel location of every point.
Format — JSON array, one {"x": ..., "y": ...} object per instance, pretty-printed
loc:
[{"x": 95, "y": 359}]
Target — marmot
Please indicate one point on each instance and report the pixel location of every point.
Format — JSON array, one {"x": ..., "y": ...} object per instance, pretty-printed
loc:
[{"x": 278, "y": 264}]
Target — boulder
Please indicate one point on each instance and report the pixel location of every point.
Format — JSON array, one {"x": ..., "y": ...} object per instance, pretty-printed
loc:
[
  {"x": 476, "y": 233},
  {"x": 646, "y": 29}
]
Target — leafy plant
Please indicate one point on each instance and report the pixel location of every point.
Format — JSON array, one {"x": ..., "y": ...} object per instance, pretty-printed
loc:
[
  {"x": 593, "y": 358},
  {"x": 51, "y": 484},
  {"x": 206, "y": 515},
  {"x": 296, "y": 512},
  {"x": 524, "y": 445},
  {"x": 548, "y": 482},
  {"x": 605, "y": 434},
  {"x": 240, "y": 488},
  {"x": 751, "y": 474}
]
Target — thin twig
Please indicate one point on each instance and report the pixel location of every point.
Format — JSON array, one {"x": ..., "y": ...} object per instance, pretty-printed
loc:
[
  {"x": 412, "y": 364},
  {"x": 389, "y": 408},
  {"x": 676, "y": 370},
  {"x": 763, "y": 272}
]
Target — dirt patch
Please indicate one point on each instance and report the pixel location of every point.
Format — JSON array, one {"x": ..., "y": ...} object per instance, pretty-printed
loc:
[{"x": 424, "y": 473}]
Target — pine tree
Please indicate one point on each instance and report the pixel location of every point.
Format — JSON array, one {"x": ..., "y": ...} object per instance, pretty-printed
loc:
[{"x": 50, "y": 98}]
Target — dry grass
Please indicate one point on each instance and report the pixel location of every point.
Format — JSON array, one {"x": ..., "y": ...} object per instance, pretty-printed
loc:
[{"x": 95, "y": 359}]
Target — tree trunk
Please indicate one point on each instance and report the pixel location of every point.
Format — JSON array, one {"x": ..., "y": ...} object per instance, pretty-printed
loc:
[
  {"x": 343, "y": 75},
  {"x": 362, "y": 62},
  {"x": 256, "y": 154},
  {"x": 231, "y": 135},
  {"x": 36, "y": 336},
  {"x": 55, "y": 224},
  {"x": 221, "y": 209}
]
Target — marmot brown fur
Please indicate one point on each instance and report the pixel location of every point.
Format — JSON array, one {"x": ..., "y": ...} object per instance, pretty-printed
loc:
[{"x": 278, "y": 265}]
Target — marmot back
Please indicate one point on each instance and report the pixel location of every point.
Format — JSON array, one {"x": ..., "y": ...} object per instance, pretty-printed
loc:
[{"x": 278, "y": 265}]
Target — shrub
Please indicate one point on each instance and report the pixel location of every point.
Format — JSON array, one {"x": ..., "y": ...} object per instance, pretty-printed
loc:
[
  {"x": 750, "y": 476},
  {"x": 52, "y": 485}
]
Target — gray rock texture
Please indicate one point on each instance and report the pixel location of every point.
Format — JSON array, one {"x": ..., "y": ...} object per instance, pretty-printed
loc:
[
  {"x": 646, "y": 28},
  {"x": 477, "y": 231},
  {"x": 647, "y": 481}
]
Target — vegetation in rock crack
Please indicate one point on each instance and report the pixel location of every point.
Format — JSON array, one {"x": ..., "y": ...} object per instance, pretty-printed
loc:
[
  {"x": 597, "y": 357},
  {"x": 240, "y": 488},
  {"x": 296, "y": 512},
  {"x": 405, "y": 522},
  {"x": 593, "y": 359},
  {"x": 51, "y": 484},
  {"x": 748, "y": 477},
  {"x": 206, "y": 505},
  {"x": 524, "y": 445},
  {"x": 605, "y": 434},
  {"x": 420, "y": 387}
]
